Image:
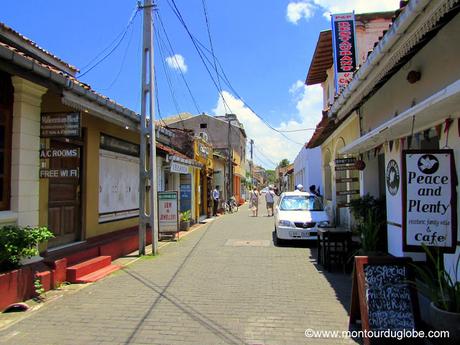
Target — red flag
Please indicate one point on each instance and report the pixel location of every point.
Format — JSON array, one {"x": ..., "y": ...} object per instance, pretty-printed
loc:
[
  {"x": 402, "y": 143},
  {"x": 448, "y": 123}
]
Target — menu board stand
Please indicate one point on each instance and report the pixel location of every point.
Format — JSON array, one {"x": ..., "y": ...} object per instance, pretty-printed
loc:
[{"x": 383, "y": 297}]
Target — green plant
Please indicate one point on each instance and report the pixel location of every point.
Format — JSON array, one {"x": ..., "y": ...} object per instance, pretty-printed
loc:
[
  {"x": 186, "y": 216},
  {"x": 370, "y": 217},
  {"x": 438, "y": 284},
  {"x": 38, "y": 287},
  {"x": 18, "y": 242}
]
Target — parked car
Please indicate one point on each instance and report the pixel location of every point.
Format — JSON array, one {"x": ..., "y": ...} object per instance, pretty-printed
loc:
[{"x": 298, "y": 215}]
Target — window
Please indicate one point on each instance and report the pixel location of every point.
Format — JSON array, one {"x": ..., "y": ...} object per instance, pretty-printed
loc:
[
  {"x": 203, "y": 125},
  {"x": 6, "y": 113},
  {"x": 301, "y": 203}
]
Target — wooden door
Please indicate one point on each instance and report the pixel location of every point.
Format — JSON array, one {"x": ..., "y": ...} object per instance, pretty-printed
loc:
[{"x": 64, "y": 206}]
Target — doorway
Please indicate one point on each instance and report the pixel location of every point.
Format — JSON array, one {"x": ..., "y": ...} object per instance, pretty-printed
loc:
[{"x": 64, "y": 193}]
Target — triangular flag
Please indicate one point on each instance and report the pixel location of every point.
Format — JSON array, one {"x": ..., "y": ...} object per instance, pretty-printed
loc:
[
  {"x": 448, "y": 123},
  {"x": 426, "y": 134},
  {"x": 409, "y": 142},
  {"x": 390, "y": 144},
  {"x": 438, "y": 129},
  {"x": 458, "y": 126},
  {"x": 402, "y": 143}
]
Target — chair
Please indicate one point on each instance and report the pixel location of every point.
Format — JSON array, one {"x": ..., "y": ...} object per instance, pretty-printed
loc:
[{"x": 335, "y": 249}]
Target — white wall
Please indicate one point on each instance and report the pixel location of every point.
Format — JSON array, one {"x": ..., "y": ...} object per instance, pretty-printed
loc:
[{"x": 307, "y": 168}]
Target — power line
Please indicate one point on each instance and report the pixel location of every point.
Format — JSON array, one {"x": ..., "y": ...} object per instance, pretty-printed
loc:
[
  {"x": 123, "y": 35},
  {"x": 263, "y": 155},
  {"x": 122, "y": 62},
  {"x": 176, "y": 11},
  {"x": 174, "y": 8},
  {"x": 173, "y": 54}
]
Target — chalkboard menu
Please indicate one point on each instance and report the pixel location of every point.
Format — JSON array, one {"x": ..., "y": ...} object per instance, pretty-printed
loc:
[{"x": 382, "y": 297}]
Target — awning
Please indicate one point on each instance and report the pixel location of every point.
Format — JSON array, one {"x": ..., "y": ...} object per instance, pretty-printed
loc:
[{"x": 427, "y": 113}]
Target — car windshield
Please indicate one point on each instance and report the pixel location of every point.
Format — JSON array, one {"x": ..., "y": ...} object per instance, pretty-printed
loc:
[{"x": 301, "y": 203}]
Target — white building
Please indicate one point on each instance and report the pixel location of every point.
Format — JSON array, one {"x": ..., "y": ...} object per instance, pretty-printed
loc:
[{"x": 307, "y": 168}]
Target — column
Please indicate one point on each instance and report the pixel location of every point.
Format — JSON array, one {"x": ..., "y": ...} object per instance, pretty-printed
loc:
[{"x": 25, "y": 162}]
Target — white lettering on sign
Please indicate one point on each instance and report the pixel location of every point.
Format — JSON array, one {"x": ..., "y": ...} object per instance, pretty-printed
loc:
[
  {"x": 55, "y": 173},
  {"x": 428, "y": 194},
  {"x": 59, "y": 153},
  {"x": 179, "y": 168}
]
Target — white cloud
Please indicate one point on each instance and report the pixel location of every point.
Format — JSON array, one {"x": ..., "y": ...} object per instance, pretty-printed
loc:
[
  {"x": 177, "y": 62},
  {"x": 297, "y": 10},
  {"x": 272, "y": 144}
]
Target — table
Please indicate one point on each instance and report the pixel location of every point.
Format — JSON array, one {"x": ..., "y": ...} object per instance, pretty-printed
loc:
[{"x": 334, "y": 247}]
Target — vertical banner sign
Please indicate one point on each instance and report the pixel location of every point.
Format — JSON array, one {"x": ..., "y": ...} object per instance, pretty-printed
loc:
[
  {"x": 343, "y": 37},
  {"x": 429, "y": 200},
  {"x": 168, "y": 220}
]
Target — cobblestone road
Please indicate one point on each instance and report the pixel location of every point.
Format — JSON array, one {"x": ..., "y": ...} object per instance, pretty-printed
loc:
[{"x": 225, "y": 283}]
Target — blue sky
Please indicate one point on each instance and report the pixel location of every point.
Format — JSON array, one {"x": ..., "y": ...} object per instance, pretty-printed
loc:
[{"x": 265, "y": 48}]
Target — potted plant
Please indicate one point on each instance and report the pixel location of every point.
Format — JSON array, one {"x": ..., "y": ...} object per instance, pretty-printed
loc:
[
  {"x": 370, "y": 217},
  {"x": 443, "y": 290},
  {"x": 18, "y": 242},
  {"x": 185, "y": 220}
]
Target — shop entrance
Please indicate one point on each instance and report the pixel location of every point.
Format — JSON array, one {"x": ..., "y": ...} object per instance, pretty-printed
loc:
[{"x": 64, "y": 193}]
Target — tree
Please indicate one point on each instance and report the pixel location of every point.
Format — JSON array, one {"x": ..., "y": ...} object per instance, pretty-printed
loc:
[
  {"x": 271, "y": 177},
  {"x": 284, "y": 163}
]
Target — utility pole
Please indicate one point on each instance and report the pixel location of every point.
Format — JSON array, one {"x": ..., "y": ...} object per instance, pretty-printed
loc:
[
  {"x": 230, "y": 165},
  {"x": 251, "y": 142},
  {"x": 147, "y": 162}
]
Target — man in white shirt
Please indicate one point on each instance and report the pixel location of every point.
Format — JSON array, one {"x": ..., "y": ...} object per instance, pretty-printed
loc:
[
  {"x": 270, "y": 200},
  {"x": 215, "y": 199}
]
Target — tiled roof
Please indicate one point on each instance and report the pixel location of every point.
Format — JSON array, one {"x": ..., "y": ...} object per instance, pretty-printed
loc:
[
  {"x": 28, "y": 41},
  {"x": 12, "y": 54}
]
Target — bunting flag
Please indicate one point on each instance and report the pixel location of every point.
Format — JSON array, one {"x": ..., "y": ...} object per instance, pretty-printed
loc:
[
  {"x": 402, "y": 143},
  {"x": 448, "y": 123},
  {"x": 438, "y": 129},
  {"x": 426, "y": 134},
  {"x": 409, "y": 142},
  {"x": 390, "y": 145},
  {"x": 397, "y": 145},
  {"x": 458, "y": 126},
  {"x": 417, "y": 140}
]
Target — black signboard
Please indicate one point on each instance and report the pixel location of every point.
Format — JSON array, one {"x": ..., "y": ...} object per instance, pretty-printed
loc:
[
  {"x": 118, "y": 145},
  {"x": 60, "y": 125},
  {"x": 350, "y": 160},
  {"x": 382, "y": 296}
]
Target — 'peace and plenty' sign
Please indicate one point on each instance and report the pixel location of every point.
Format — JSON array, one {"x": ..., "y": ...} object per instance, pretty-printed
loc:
[{"x": 429, "y": 200}]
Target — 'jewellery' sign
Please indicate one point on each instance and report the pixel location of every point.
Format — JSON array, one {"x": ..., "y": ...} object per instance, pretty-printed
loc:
[
  {"x": 343, "y": 33},
  {"x": 429, "y": 200}
]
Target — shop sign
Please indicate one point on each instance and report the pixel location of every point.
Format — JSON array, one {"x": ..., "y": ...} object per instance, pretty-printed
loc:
[
  {"x": 343, "y": 33},
  {"x": 179, "y": 168},
  {"x": 340, "y": 161},
  {"x": 59, "y": 173},
  {"x": 392, "y": 177},
  {"x": 348, "y": 192},
  {"x": 168, "y": 220},
  {"x": 57, "y": 125},
  {"x": 59, "y": 153},
  {"x": 429, "y": 200},
  {"x": 110, "y": 143},
  {"x": 346, "y": 167}
]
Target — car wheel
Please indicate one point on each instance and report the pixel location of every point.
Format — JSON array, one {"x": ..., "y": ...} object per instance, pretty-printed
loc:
[{"x": 278, "y": 242}]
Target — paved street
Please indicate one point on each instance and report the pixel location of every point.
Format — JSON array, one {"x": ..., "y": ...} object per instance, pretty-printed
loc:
[{"x": 225, "y": 283}]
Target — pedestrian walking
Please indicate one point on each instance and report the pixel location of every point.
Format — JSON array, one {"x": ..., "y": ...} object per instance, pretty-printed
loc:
[
  {"x": 254, "y": 199},
  {"x": 215, "y": 199},
  {"x": 270, "y": 200}
]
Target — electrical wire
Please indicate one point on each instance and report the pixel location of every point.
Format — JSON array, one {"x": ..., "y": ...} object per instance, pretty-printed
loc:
[
  {"x": 121, "y": 38},
  {"x": 125, "y": 54},
  {"x": 176, "y": 11},
  {"x": 173, "y": 54}
]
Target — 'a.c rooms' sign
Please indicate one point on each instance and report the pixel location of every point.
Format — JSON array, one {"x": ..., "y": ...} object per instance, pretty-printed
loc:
[{"x": 429, "y": 200}]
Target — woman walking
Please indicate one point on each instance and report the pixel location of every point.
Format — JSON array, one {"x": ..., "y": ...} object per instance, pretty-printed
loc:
[{"x": 254, "y": 199}]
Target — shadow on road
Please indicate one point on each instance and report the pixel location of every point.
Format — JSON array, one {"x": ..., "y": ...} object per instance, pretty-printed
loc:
[{"x": 339, "y": 281}]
